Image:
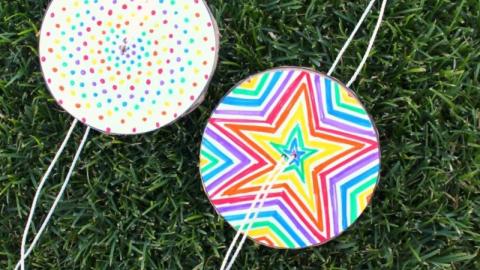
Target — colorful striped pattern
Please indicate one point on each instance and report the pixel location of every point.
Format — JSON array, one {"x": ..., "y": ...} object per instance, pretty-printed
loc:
[{"x": 281, "y": 112}]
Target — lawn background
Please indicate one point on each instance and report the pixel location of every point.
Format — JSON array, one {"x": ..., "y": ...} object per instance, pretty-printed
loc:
[{"x": 137, "y": 202}]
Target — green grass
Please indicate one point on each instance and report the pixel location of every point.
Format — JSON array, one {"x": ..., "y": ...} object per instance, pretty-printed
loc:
[{"x": 137, "y": 202}]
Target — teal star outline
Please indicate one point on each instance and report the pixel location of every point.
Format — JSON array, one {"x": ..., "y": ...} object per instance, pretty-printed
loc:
[{"x": 295, "y": 147}]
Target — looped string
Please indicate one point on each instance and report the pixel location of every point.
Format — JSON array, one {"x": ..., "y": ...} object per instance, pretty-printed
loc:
[
  {"x": 350, "y": 38},
  {"x": 370, "y": 44},
  {"x": 23, "y": 254},
  {"x": 266, "y": 186}
]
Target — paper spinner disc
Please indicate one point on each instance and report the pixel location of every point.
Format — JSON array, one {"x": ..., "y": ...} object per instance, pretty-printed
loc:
[{"x": 284, "y": 112}]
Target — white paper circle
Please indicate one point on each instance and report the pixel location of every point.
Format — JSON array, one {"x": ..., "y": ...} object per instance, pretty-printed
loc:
[{"x": 128, "y": 67}]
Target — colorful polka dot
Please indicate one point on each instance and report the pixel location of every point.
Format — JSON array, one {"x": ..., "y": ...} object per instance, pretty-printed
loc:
[{"x": 125, "y": 66}]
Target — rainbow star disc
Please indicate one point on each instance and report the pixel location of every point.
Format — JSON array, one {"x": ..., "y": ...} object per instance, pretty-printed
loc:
[
  {"x": 125, "y": 66},
  {"x": 303, "y": 114}
]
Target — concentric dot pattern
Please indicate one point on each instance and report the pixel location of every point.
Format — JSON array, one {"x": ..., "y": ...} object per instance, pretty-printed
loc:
[
  {"x": 304, "y": 115},
  {"x": 127, "y": 67}
]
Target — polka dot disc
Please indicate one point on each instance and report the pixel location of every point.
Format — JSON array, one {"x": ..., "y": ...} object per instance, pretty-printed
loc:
[{"x": 125, "y": 66}]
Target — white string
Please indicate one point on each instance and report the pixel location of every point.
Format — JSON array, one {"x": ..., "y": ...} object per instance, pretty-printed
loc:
[
  {"x": 350, "y": 38},
  {"x": 370, "y": 44},
  {"x": 259, "y": 198},
  {"x": 23, "y": 254},
  {"x": 268, "y": 185},
  {"x": 44, "y": 180}
]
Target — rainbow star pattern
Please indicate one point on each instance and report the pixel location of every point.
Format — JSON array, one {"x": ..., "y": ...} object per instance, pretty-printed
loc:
[{"x": 299, "y": 113}]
